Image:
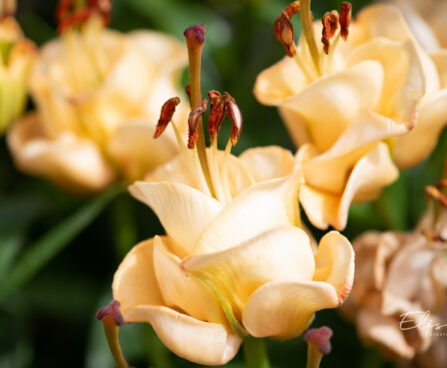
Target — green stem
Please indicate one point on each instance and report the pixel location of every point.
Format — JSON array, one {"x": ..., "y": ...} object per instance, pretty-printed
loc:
[{"x": 255, "y": 353}]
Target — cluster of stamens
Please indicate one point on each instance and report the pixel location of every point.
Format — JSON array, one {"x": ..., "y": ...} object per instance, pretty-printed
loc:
[
  {"x": 283, "y": 27},
  {"x": 67, "y": 15}
]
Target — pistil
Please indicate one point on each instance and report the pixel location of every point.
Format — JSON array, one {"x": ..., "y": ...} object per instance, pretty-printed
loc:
[{"x": 195, "y": 38}]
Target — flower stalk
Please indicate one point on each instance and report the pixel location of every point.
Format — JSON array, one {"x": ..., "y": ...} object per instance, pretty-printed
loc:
[{"x": 255, "y": 353}]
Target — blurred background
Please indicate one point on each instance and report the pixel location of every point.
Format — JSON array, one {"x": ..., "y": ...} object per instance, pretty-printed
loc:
[{"x": 58, "y": 253}]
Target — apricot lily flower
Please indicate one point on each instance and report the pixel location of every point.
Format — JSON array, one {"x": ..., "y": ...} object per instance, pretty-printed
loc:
[
  {"x": 233, "y": 262},
  {"x": 98, "y": 95},
  {"x": 347, "y": 109}
]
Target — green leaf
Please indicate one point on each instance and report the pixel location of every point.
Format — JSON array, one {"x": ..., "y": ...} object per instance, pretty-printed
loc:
[{"x": 40, "y": 253}]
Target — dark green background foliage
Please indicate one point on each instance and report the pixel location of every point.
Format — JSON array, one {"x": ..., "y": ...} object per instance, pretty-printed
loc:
[{"x": 58, "y": 253}]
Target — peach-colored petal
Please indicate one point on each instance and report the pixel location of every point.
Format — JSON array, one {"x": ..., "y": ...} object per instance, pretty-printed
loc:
[
  {"x": 284, "y": 309},
  {"x": 334, "y": 263},
  {"x": 283, "y": 254},
  {"x": 136, "y": 152},
  {"x": 69, "y": 161},
  {"x": 440, "y": 60},
  {"x": 279, "y": 82},
  {"x": 262, "y": 207},
  {"x": 330, "y": 170},
  {"x": 419, "y": 143},
  {"x": 369, "y": 176},
  {"x": 266, "y": 163},
  {"x": 183, "y": 211},
  {"x": 197, "y": 341},
  {"x": 343, "y": 94},
  {"x": 404, "y": 80},
  {"x": 134, "y": 283},
  {"x": 180, "y": 289}
]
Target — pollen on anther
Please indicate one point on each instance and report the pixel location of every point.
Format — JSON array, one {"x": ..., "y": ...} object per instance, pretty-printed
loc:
[
  {"x": 345, "y": 19},
  {"x": 167, "y": 111},
  {"x": 193, "y": 122},
  {"x": 330, "y": 25}
]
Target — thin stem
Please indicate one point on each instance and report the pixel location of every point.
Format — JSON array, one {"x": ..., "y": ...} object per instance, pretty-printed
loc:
[
  {"x": 255, "y": 353},
  {"x": 306, "y": 21},
  {"x": 111, "y": 331}
]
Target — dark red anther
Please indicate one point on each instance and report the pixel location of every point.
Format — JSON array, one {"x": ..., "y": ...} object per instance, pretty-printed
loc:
[
  {"x": 235, "y": 116},
  {"x": 345, "y": 19},
  {"x": 217, "y": 113},
  {"x": 283, "y": 28},
  {"x": 167, "y": 112},
  {"x": 193, "y": 123},
  {"x": 112, "y": 310},
  {"x": 67, "y": 16},
  {"x": 320, "y": 337},
  {"x": 330, "y": 25}
]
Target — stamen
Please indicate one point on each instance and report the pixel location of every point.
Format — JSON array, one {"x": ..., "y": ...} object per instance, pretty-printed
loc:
[
  {"x": 167, "y": 112},
  {"x": 283, "y": 28},
  {"x": 345, "y": 19},
  {"x": 308, "y": 30},
  {"x": 330, "y": 26},
  {"x": 235, "y": 115},
  {"x": 67, "y": 19},
  {"x": 193, "y": 122},
  {"x": 217, "y": 114}
]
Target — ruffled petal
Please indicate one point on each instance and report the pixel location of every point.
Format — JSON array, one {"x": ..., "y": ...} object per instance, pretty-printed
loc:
[
  {"x": 343, "y": 94},
  {"x": 334, "y": 263},
  {"x": 413, "y": 148},
  {"x": 183, "y": 211},
  {"x": 284, "y": 309},
  {"x": 134, "y": 283},
  {"x": 330, "y": 170},
  {"x": 136, "y": 152},
  {"x": 262, "y": 207},
  {"x": 279, "y": 82},
  {"x": 370, "y": 175},
  {"x": 180, "y": 290},
  {"x": 197, "y": 341},
  {"x": 404, "y": 80},
  {"x": 266, "y": 163},
  {"x": 281, "y": 254},
  {"x": 73, "y": 163}
]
